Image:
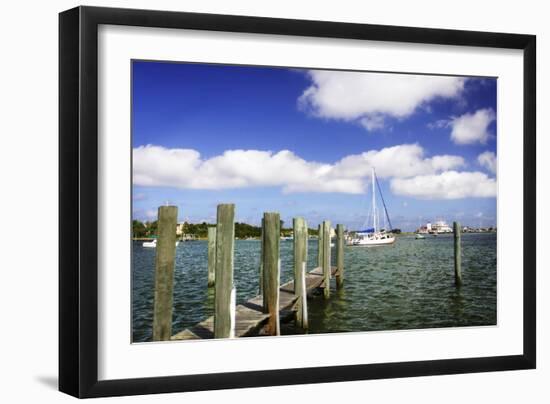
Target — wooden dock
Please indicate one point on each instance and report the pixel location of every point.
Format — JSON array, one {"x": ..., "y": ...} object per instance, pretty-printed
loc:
[
  {"x": 249, "y": 316},
  {"x": 275, "y": 303}
]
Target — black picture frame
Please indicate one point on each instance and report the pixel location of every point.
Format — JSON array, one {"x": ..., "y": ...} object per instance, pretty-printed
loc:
[{"x": 78, "y": 200}]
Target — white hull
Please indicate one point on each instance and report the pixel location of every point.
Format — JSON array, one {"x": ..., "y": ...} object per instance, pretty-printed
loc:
[
  {"x": 153, "y": 244},
  {"x": 372, "y": 241}
]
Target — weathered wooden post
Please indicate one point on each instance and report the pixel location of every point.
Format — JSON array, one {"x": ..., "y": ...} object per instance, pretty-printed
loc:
[
  {"x": 300, "y": 265},
  {"x": 261, "y": 277},
  {"x": 340, "y": 256},
  {"x": 164, "y": 273},
  {"x": 320, "y": 246},
  {"x": 271, "y": 267},
  {"x": 457, "y": 230},
  {"x": 326, "y": 258},
  {"x": 225, "y": 243},
  {"x": 211, "y": 256},
  {"x": 303, "y": 308}
]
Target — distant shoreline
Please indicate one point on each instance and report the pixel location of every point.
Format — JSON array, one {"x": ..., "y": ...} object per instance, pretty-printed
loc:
[{"x": 402, "y": 234}]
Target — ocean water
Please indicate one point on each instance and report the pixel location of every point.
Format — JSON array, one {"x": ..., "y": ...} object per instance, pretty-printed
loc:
[{"x": 409, "y": 285}]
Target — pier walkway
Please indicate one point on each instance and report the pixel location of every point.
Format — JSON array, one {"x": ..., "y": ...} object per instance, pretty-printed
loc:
[
  {"x": 250, "y": 317},
  {"x": 276, "y": 303}
]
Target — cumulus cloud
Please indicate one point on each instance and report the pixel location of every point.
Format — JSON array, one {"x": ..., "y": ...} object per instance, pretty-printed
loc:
[
  {"x": 368, "y": 98},
  {"x": 472, "y": 128},
  {"x": 446, "y": 185},
  {"x": 185, "y": 168},
  {"x": 488, "y": 160},
  {"x": 405, "y": 160}
]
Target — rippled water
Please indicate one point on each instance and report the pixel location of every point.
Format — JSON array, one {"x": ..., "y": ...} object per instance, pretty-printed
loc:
[{"x": 405, "y": 286}]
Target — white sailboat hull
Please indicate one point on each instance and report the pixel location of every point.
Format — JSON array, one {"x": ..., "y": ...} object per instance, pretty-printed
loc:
[{"x": 372, "y": 241}]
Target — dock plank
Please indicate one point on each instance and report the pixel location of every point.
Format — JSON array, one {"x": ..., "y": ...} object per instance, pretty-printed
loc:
[{"x": 249, "y": 317}]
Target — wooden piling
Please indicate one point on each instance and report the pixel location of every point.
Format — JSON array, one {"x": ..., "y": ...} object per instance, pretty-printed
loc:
[
  {"x": 225, "y": 243},
  {"x": 326, "y": 258},
  {"x": 340, "y": 256},
  {"x": 304, "y": 322},
  {"x": 300, "y": 265},
  {"x": 261, "y": 276},
  {"x": 271, "y": 269},
  {"x": 164, "y": 273},
  {"x": 457, "y": 230},
  {"x": 320, "y": 245},
  {"x": 211, "y": 256}
]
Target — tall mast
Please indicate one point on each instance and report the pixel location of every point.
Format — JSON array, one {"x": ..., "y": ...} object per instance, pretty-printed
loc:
[{"x": 373, "y": 202}]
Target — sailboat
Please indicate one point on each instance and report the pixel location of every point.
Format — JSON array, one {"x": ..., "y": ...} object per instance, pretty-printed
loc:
[{"x": 374, "y": 236}]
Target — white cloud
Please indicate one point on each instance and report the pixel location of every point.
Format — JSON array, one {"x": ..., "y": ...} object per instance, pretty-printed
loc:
[
  {"x": 367, "y": 98},
  {"x": 374, "y": 122},
  {"x": 488, "y": 160},
  {"x": 185, "y": 168},
  {"x": 405, "y": 160},
  {"x": 447, "y": 185},
  {"x": 472, "y": 128}
]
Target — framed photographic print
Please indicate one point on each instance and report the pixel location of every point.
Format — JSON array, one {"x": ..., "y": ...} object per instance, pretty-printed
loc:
[{"x": 251, "y": 201}]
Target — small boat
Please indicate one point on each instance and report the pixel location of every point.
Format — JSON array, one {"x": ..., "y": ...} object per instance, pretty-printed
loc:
[
  {"x": 153, "y": 243},
  {"x": 374, "y": 236},
  {"x": 150, "y": 244},
  {"x": 419, "y": 236}
]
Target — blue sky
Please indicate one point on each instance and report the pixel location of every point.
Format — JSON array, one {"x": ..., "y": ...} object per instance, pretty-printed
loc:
[{"x": 302, "y": 142}]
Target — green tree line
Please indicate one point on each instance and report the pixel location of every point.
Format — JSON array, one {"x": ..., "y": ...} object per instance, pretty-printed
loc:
[{"x": 200, "y": 230}]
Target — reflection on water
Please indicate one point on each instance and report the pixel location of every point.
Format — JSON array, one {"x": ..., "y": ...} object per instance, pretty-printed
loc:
[{"x": 408, "y": 285}]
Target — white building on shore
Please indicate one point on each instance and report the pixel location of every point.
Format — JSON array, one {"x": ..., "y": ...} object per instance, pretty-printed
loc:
[
  {"x": 441, "y": 227},
  {"x": 437, "y": 227}
]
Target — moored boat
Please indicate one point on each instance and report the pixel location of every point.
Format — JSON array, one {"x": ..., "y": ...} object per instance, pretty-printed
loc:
[
  {"x": 374, "y": 236},
  {"x": 153, "y": 243}
]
